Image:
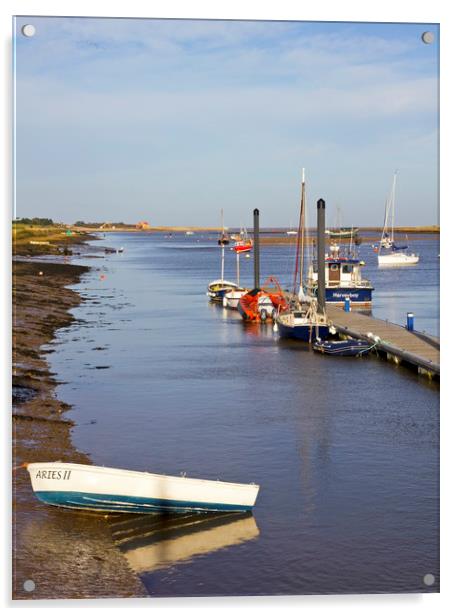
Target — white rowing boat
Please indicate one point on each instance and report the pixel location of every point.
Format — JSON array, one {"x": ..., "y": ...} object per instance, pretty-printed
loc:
[
  {"x": 97, "y": 488},
  {"x": 231, "y": 298}
]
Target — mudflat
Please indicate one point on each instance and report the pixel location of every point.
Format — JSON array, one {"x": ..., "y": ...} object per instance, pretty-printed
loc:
[{"x": 66, "y": 554}]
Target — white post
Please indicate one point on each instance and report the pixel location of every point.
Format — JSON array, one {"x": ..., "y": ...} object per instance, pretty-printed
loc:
[
  {"x": 393, "y": 204},
  {"x": 237, "y": 268},
  {"x": 223, "y": 262}
]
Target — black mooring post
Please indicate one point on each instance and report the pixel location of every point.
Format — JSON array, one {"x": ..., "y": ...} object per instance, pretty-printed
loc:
[
  {"x": 321, "y": 256},
  {"x": 256, "y": 248}
]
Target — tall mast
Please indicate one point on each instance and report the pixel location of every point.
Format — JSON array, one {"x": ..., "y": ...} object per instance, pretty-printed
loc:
[
  {"x": 389, "y": 215},
  {"x": 223, "y": 249},
  {"x": 393, "y": 203},
  {"x": 223, "y": 262},
  {"x": 299, "y": 257},
  {"x": 302, "y": 233},
  {"x": 237, "y": 268}
]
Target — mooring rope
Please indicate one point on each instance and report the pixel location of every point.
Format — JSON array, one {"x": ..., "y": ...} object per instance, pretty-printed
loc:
[{"x": 23, "y": 465}]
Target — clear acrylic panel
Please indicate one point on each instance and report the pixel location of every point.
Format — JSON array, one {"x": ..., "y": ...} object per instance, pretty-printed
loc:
[{"x": 157, "y": 331}]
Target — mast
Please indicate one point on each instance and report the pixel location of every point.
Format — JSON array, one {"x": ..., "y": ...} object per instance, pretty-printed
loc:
[
  {"x": 389, "y": 215},
  {"x": 223, "y": 262},
  {"x": 393, "y": 204},
  {"x": 301, "y": 293},
  {"x": 299, "y": 258},
  {"x": 237, "y": 268},
  {"x": 302, "y": 231}
]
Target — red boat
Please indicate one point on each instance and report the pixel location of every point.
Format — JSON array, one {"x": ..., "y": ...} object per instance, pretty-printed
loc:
[
  {"x": 242, "y": 242},
  {"x": 242, "y": 246},
  {"x": 259, "y": 305}
]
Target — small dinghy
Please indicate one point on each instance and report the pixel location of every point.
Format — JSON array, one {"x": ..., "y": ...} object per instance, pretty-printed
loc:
[
  {"x": 231, "y": 298},
  {"x": 217, "y": 289},
  {"x": 345, "y": 348},
  {"x": 97, "y": 488}
]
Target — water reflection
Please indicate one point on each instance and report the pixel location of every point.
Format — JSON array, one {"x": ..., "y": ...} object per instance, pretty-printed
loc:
[{"x": 158, "y": 541}]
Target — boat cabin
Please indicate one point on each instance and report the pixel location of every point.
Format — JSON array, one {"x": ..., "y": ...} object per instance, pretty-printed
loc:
[{"x": 339, "y": 272}]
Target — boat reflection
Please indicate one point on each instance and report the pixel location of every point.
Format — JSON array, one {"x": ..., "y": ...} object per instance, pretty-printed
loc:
[{"x": 158, "y": 541}]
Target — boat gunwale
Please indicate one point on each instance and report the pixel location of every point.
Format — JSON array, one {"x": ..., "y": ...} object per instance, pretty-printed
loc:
[{"x": 115, "y": 471}]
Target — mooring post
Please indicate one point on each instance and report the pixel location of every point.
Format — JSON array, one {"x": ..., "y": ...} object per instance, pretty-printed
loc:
[
  {"x": 409, "y": 321},
  {"x": 256, "y": 248},
  {"x": 321, "y": 256}
]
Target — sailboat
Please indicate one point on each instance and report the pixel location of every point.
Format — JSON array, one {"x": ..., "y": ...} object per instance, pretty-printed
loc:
[
  {"x": 223, "y": 240},
  {"x": 301, "y": 320},
  {"x": 243, "y": 243},
  {"x": 232, "y": 297},
  {"x": 217, "y": 289},
  {"x": 388, "y": 252},
  {"x": 292, "y": 231}
]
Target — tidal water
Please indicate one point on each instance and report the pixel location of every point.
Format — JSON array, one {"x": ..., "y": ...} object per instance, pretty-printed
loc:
[{"x": 346, "y": 451}]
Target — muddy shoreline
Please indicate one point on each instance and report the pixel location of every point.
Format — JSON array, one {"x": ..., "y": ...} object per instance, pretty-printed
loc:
[{"x": 65, "y": 554}]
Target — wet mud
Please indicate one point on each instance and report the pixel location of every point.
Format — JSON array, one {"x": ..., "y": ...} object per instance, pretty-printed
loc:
[{"x": 56, "y": 553}]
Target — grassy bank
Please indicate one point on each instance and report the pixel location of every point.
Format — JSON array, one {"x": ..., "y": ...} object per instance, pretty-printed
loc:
[{"x": 33, "y": 240}]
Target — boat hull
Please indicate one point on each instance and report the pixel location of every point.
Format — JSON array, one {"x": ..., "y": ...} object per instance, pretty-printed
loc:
[
  {"x": 306, "y": 333},
  {"x": 231, "y": 299},
  {"x": 359, "y": 296},
  {"x": 343, "y": 234},
  {"x": 95, "y": 488},
  {"x": 242, "y": 247},
  {"x": 257, "y": 306},
  {"x": 398, "y": 259},
  {"x": 120, "y": 503},
  {"x": 343, "y": 348},
  {"x": 217, "y": 289}
]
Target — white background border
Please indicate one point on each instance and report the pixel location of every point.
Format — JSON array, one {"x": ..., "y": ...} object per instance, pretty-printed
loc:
[{"x": 441, "y": 11}]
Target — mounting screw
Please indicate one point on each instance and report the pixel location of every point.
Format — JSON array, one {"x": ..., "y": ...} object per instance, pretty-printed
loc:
[
  {"x": 29, "y": 585},
  {"x": 429, "y": 579},
  {"x": 28, "y": 30},
  {"x": 427, "y": 37}
]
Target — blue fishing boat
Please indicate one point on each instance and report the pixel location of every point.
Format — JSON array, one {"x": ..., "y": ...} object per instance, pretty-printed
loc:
[
  {"x": 345, "y": 348},
  {"x": 343, "y": 278}
]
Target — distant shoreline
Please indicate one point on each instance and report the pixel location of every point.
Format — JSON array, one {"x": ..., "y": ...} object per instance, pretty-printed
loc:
[{"x": 269, "y": 230}]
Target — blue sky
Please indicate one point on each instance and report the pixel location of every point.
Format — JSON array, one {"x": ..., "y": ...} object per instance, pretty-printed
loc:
[{"x": 172, "y": 120}]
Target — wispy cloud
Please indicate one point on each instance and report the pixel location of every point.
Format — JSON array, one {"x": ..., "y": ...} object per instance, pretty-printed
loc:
[{"x": 105, "y": 106}]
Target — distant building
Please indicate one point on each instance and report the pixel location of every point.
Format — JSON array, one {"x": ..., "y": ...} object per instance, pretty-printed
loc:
[{"x": 143, "y": 224}]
